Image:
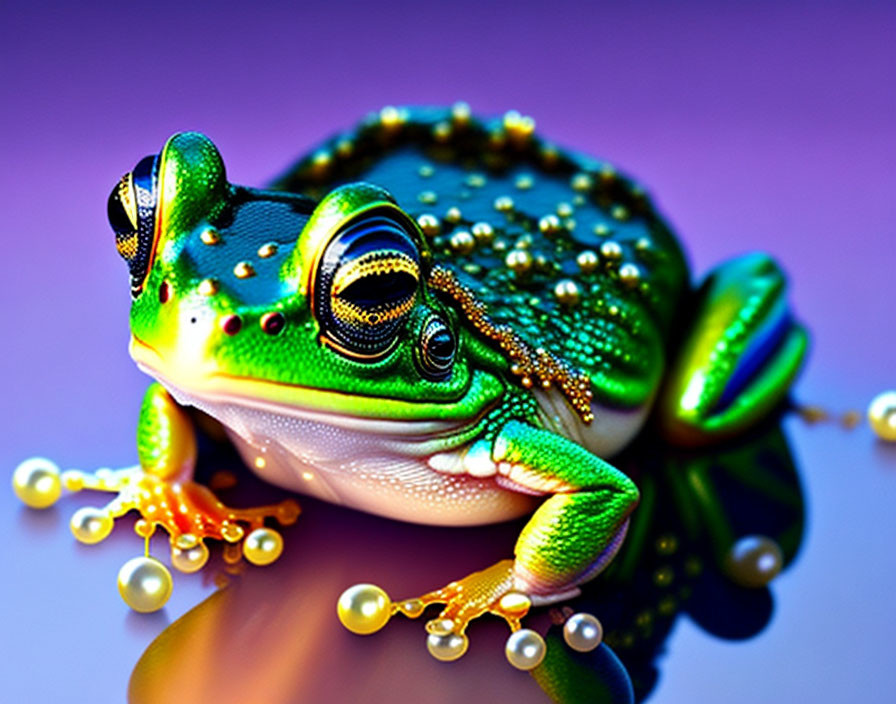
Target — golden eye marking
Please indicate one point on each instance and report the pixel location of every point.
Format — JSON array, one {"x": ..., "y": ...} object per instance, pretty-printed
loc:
[
  {"x": 353, "y": 314},
  {"x": 126, "y": 197},
  {"x": 127, "y": 246},
  {"x": 373, "y": 264}
]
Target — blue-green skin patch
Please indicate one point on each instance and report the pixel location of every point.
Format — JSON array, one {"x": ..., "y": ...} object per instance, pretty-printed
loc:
[{"x": 603, "y": 286}]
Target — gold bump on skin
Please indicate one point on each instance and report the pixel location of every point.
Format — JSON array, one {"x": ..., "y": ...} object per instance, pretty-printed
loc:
[
  {"x": 210, "y": 236},
  {"x": 550, "y": 224},
  {"x": 519, "y": 261},
  {"x": 549, "y": 156},
  {"x": 267, "y": 250},
  {"x": 607, "y": 174},
  {"x": 475, "y": 180},
  {"x": 587, "y": 261},
  {"x": 462, "y": 242},
  {"x": 429, "y": 223},
  {"x": 208, "y": 287},
  {"x": 453, "y": 215},
  {"x": 391, "y": 118},
  {"x": 426, "y": 171},
  {"x": 611, "y": 250},
  {"x": 427, "y": 197},
  {"x": 564, "y": 210},
  {"x": 578, "y": 200},
  {"x": 524, "y": 241},
  {"x": 320, "y": 163},
  {"x": 518, "y": 127},
  {"x": 243, "y": 270},
  {"x": 442, "y": 131},
  {"x": 528, "y": 363},
  {"x": 642, "y": 245},
  {"x": 882, "y": 415},
  {"x": 567, "y": 292},
  {"x": 601, "y": 230},
  {"x": 630, "y": 274},
  {"x": 345, "y": 148},
  {"x": 460, "y": 113},
  {"x": 581, "y": 182},
  {"x": 524, "y": 182},
  {"x": 504, "y": 204},
  {"x": 619, "y": 212},
  {"x": 483, "y": 232}
]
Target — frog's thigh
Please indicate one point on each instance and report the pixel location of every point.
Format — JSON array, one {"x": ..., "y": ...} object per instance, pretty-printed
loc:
[
  {"x": 575, "y": 532},
  {"x": 166, "y": 440},
  {"x": 739, "y": 356}
]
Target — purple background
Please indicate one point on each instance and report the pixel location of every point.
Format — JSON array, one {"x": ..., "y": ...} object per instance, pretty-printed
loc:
[{"x": 756, "y": 127}]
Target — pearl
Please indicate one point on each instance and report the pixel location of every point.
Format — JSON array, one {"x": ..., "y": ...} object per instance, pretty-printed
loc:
[
  {"x": 262, "y": 546},
  {"x": 36, "y": 482},
  {"x": 882, "y": 415},
  {"x": 519, "y": 261},
  {"x": 207, "y": 287},
  {"x": 267, "y": 250},
  {"x": 567, "y": 292},
  {"x": 753, "y": 561},
  {"x": 447, "y": 647},
  {"x": 483, "y": 232},
  {"x": 582, "y": 632},
  {"x": 364, "y": 609},
  {"x": 210, "y": 237},
  {"x": 91, "y": 525},
  {"x": 587, "y": 261},
  {"x": 611, "y": 250},
  {"x": 243, "y": 270},
  {"x": 462, "y": 242},
  {"x": 145, "y": 584},
  {"x": 429, "y": 224},
  {"x": 525, "y": 649},
  {"x": 515, "y": 604},
  {"x": 581, "y": 182},
  {"x": 188, "y": 553},
  {"x": 549, "y": 224},
  {"x": 629, "y": 274},
  {"x": 504, "y": 204}
]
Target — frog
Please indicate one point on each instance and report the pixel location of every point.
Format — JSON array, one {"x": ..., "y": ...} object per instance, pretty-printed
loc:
[{"x": 434, "y": 317}]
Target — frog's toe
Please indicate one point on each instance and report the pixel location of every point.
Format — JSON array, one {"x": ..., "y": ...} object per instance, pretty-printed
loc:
[{"x": 738, "y": 359}]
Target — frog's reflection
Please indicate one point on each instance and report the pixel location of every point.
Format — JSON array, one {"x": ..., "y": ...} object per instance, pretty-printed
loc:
[{"x": 272, "y": 635}]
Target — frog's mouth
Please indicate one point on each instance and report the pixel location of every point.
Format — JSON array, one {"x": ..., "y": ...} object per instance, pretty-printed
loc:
[{"x": 433, "y": 426}]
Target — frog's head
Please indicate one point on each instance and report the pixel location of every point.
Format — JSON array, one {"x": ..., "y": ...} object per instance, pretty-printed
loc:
[{"x": 264, "y": 297}]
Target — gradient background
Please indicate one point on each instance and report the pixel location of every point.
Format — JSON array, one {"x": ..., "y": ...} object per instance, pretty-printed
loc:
[{"x": 755, "y": 126}]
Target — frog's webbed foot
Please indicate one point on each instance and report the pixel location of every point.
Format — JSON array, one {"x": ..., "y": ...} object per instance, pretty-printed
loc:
[
  {"x": 160, "y": 489},
  {"x": 739, "y": 357},
  {"x": 567, "y": 541}
]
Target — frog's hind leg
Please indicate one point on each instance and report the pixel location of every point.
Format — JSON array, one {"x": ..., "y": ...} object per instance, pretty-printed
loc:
[
  {"x": 161, "y": 489},
  {"x": 738, "y": 358},
  {"x": 568, "y": 540}
]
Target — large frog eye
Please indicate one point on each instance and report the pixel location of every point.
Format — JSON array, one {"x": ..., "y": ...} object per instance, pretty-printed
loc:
[
  {"x": 132, "y": 215},
  {"x": 366, "y": 285},
  {"x": 436, "y": 349}
]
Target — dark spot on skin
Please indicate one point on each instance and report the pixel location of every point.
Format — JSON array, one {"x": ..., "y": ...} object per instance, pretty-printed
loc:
[
  {"x": 164, "y": 292},
  {"x": 272, "y": 323},
  {"x": 230, "y": 324}
]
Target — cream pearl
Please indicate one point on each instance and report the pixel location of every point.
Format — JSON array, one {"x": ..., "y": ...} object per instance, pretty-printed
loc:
[
  {"x": 582, "y": 632},
  {"x": 36, "y": 482},
  {"x": 525, "y": 649},
  {"x": 364, "y": 608},
  {"x": 145, "y": 584},
  {"x": 91, "y": 525},
  {"x": 447, "y": 647},
  {"x": 262, "y": 546}
]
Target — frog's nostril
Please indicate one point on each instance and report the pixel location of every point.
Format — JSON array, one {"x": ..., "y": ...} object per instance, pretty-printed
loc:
[
  {"x": 231, "y": 324},
  {"x": 164, "y": 292}
]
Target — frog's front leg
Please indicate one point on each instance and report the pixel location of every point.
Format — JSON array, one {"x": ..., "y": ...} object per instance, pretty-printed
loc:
[
  {"x": 738, "y": 358},
  {"x": 161, "y": 489},
  {"x": 571, "y": 537}
]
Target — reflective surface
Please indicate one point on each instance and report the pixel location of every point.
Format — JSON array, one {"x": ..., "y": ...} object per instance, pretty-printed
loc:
[{"x": 756, "y": 128}]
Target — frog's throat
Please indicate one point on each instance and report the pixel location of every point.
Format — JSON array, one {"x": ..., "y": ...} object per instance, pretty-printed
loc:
[
  {"x": 533, "y": 365},
  {"x": 427, "y": 422}
]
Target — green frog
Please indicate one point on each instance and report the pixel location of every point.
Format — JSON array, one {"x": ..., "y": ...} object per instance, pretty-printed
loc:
[{"x": 432, "y": 317}]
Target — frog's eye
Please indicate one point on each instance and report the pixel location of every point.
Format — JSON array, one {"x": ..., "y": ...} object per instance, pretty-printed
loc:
[
  {"x": 436, "y": 349},
  {"x": 366, "y": 285},
  {"x": 132, "y": 215}
]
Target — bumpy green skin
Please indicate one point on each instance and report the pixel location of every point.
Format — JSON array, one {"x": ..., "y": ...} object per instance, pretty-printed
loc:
[{"x": 576, "y": 221}]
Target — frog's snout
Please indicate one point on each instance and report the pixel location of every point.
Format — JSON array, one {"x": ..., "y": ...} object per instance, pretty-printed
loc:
[{"x": 132, "y": 215}]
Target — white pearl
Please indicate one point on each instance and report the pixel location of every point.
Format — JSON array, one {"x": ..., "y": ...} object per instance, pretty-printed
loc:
[
  {"x": 145, "y": 584},
  {"x": 754, "y": 560},
  {"x": 36, "y": 482},
  {"x": 882, "y": 415},
  {"x": 525, "y": 649},
  {"x": 582, "y": 632},
  {"x": 447, "y": 647}
]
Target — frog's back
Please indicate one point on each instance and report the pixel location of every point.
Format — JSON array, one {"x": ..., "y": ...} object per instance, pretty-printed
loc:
[{"x": 560, "y": 247}]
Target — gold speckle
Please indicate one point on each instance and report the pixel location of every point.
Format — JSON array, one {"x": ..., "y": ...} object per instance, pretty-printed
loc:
[
  {"x": 524, "y": 182},
  {"x": 549, "y": 156},
  {"x": 267, "y": 250},
  {"x": 613, "y": 311},
  {"x": 427, "y": 197},
  {"x": 243, "y": 270},
  {"x": 581, "y": 182},
  {"x": 392, "y": 118},
  {"x": 483, "y": 232},
  {"x": 578, "y": 200},
  {"x": 642, "y": 245},
  {"x": 345, "y": 147},
  {"x": 619, "y": 212},
  {"x": 549, "y": 224},
  {"x": 504, "y": 204},
  {"x": 587, "y": 261},
  {"x": 426, "y": 170},
  {"x": 210, "y": 236},
  {"x": 462, "y": 242},
  {"x": 564, "y": 210},
  {"x": 519, "y": 261},
  {"x": 500, "y": 245},
  {"x": 524, "y": 241},
  {"x": 453, "y": 215},
  {"x": 518, "y": 127},
  {"x": 602, "y": 230},
  {"x": 567, "y": 292},
  {"x": 611, "y": 250},
  {"x": 630, "y": 274},
  {"x": 442, "y": 131},
  {"x": 460, "y": 113},
  {"x": 429, "y": 223},
  {"x": 607, "y": 174},
  {"x": 208, "y": 287},
  {"x": 320, "y": 163},
  {"x": 475, "y": 180},
  {"x": 882, "y": 415}
]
